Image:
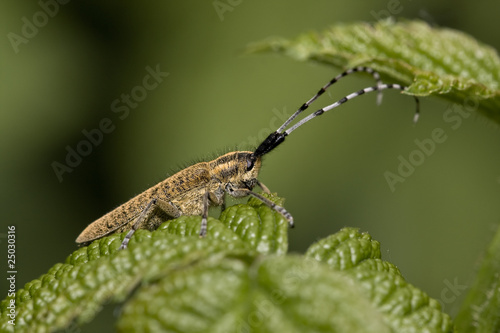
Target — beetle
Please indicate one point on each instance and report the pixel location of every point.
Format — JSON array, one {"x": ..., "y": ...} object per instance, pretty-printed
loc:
[{"x": 194, "y": 189}]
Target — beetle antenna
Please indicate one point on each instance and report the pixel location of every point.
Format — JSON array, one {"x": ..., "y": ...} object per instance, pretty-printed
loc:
[
  {"x": 277, "y": 137},
  {"x": 320, "y": 92}
]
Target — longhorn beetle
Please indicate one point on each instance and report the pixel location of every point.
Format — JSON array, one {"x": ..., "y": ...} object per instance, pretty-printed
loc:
[{"x": 192, "y": 190}]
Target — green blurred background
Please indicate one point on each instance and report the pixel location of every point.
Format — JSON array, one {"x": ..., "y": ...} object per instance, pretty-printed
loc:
[{"x": 434, "y": 226}]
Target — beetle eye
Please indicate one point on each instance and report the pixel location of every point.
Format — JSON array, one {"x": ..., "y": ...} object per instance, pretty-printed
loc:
[{"x": 250, "y": 162}]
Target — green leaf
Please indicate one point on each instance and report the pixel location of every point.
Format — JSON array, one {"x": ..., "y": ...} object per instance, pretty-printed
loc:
[
  {"x": 261, "y": 227},
  {"x": 430, "y": 61},
  {"x": 98, "y": 273},
  {"x": 403, "y": 307},
  {"x": 235, "y": 279},
  {"x": 480, "y": 311},
  {"x": 345, "y": 249},
  {"x": 78, "y": 291},
  {"x": 288, "y": 294},
  {"x": 275, "y": 294}
]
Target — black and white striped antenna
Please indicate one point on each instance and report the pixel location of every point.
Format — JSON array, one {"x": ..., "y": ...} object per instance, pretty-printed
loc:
[{"x": 277, "y": 137}]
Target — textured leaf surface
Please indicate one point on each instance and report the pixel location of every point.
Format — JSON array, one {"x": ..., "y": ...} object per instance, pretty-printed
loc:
[
  {"x": 480, "y": 311},
  {"x": 235, "y": 279},
  {"x": 403, "y": 307},
  {"x": 93, "y": 275},
  {"x": 78, "y": 290},
  {"x": 431, "y": 61},
  {"x": 275, "y": 294},
  {"x": 341, "y": 285},
  {"x": 263, "y": 229}
]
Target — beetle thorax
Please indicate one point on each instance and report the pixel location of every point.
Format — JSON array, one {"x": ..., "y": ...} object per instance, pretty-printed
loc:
[{"x": 238, "y": 168}]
